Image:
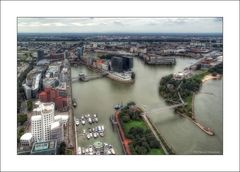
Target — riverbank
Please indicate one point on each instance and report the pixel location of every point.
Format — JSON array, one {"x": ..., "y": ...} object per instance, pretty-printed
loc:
[
  {"x": 186, "y": 90},
  {"x": 210, "y": 77}
]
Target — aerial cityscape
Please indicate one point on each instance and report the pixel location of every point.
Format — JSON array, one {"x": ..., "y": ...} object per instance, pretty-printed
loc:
[{"x": 119, "y": 86}]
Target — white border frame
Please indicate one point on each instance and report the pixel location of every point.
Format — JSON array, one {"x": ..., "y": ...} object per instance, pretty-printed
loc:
[{"x": 228, "y": 161}]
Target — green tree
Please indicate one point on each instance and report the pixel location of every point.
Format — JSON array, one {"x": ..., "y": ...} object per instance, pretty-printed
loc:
[
  {"x": 62, "y": 148},
  {"x": 29, "y": 105},
  {"x": 20, "y": 132},
  {"x": 21, "y": 118}
]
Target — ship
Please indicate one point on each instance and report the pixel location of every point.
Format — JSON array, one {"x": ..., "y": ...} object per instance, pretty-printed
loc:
[
  {"x": 124, "y": 77},
  {"x": 74, "y": 102}
]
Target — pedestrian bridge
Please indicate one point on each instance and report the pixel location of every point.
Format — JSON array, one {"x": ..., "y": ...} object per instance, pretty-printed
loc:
[{"x": 84, "y": 77}]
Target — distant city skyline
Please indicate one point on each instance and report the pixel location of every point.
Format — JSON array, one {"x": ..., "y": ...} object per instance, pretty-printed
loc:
[{"x": 120, "y": 25}]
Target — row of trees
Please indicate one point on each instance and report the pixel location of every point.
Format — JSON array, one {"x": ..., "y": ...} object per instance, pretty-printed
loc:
[
  {"x": 142, "y": 141},
  {"x": 217, "y": 69},
  {"x": 169, "y": 89},
  {"x": 21, "y": 118},
  {"x": 62, "y": 148},
  {"x": 29, "y": 105},
  {"x": 20, "y": 132}
]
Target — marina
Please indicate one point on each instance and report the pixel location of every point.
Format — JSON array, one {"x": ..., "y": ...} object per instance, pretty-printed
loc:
[
  {"x": 89, "y": 129},
  {"x": 97, "y": 148}
]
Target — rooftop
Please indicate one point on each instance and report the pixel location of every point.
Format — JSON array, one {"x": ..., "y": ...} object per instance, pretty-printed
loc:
[
  {"x": 26, "y": 136},
  {"x": 55, "y": 125},
  {"x": 36, "y": 117},
  {"x": 43, "y": 147},
  {"x": 62, "y": 117}
]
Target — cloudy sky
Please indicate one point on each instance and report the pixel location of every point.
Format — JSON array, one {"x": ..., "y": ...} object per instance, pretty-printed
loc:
[{"x": 152, "y": 25}]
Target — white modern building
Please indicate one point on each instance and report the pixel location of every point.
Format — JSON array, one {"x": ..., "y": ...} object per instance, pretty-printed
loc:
[
  {"x": 26, "y": 140},
  {"x": 36, "y": 126},
  {"x": 63, "y": 119},
  {"x": 41, "y": 123},
  {"x": 57, "y": 132}
]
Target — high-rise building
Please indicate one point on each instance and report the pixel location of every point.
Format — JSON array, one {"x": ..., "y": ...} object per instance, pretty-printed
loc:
[
  {"x": 127, "y": 63},
  {"x": 41, "y": 124},
  {"x": 36, "y": 126},
  {"x": 40, "y": 55},
  {"x": 117, "y": 64},
  {"x": 80, "y": 52},
  {"x": 66, "y": 54},
  {"x": 120, "y": 64}
]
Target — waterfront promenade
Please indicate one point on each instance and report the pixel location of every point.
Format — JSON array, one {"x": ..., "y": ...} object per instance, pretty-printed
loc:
[{"x": 124, "y": 141}]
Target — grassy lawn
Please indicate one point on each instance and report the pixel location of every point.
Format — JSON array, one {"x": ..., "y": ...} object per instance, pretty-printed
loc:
[
  {"x": 156, "y": 152},
  {"x": 130, "y": 124},
  {"x": 201, "y": 75},
  {"x": 189, "y": 103}
]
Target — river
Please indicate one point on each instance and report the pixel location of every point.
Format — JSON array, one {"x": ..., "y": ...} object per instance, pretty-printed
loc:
[{"x": 99, "y": 96}]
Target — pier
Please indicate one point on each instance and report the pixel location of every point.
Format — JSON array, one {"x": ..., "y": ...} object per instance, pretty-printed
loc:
[
  {"x": 86, "y": 78},
  {"x": 124, "y": 140}
]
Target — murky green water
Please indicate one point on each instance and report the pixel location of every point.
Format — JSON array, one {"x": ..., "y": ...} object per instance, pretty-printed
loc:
[{"x": 99, "y": 96}]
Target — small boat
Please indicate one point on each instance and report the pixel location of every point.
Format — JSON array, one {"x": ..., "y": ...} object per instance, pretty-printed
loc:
[
  {"x": 90, "y": 130},
  {"x": 102, "y": 128},
  {"x": 79, "y": 152},
  {"x": 84, "y": 131},
  {"x": 87, "y": 150},
  {"x": 93, "y": 129},
  {"x": 101, "y": 134},
  {"x": 99, "y": 128},
  {"x": 112, "y": 151},
  {"x": 90, "y": 149},
  {"x": 77, "y": 122},
  {"x": 90, "y": 120},
  {"x": 83, "y": 151},
  {"x": 94, "y": 115},
  {"x": 91, "y": 135},
  {"x": 109, "y": 152},
  {"x": 117, "y": 107},
  {"x": 88, "y": 136},
  {"x": 85, "y": 116},
  {"x": 74, "y": 102},
  {"x": 82, "y": 117},
  {"x": 83, "y": 122},
  {"x": 96, "y": 119},
  {"x": 95, "y": 135}
]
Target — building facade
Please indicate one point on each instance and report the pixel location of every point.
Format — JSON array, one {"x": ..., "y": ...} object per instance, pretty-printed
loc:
[
  {"x": 57, "y": 132},
  {"x": 41, "y": 124}
]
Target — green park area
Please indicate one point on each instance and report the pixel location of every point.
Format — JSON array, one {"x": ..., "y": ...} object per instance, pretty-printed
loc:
[
  {"x": 170, "y": 89},
  {"x": 142, "y": 140}
]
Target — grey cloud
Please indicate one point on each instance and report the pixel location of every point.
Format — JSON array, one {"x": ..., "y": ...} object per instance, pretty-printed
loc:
[{"x": 112, "y": 24}]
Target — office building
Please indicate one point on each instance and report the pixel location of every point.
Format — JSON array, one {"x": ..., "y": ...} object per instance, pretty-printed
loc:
[
  {"x": 63, "y": 118},
  {"x": 40, "y": 55},
  {"x": 57, "y": 132},
  {"x": 26, "y": 140},
  {"x": 121, "y": 64},
  {"x": 41, "y": 124},
  {"x": 80, "y": 52},
  {"x": 36, "y": 126}
]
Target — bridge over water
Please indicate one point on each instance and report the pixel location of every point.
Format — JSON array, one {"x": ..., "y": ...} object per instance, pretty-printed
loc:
[{"x": 85, "y": 78}]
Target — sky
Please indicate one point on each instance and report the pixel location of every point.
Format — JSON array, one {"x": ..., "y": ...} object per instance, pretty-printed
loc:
[{"x": 120, "y": 25}]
